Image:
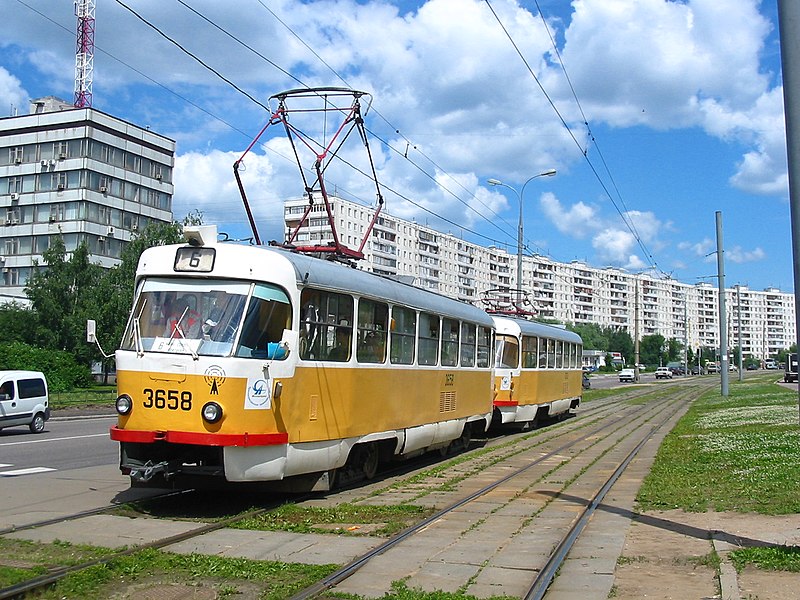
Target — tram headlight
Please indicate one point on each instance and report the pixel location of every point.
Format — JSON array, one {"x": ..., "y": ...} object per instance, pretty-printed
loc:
[
  {"x": 212, "y": 412},
  {"x": 124, "y": 404}
]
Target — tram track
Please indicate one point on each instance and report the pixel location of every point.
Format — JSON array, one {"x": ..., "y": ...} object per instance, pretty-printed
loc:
[
  {"x": 665, "y": 411},
  {"x": 596, "y": 422}
]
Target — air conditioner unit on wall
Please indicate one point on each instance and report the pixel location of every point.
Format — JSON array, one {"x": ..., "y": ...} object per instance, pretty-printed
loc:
[
  {"x": 60, "y": 186},
  {"x": 103, "y": 189},
  {"x": 14, "y": 196},
  {"x": 44, "y": 164},
  {"x": 110, "y": 230}
]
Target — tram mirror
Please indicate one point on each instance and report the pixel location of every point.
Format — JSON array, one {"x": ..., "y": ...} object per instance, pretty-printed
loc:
[
  {"x": 91, "y": 328},
  {"x": 277, "y": 350}
]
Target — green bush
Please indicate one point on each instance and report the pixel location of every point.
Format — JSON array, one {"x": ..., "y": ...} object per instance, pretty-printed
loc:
[{"x": 62, "y": 372}]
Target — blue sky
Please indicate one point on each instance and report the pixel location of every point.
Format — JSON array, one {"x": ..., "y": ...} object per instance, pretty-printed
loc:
[{"x": 683, "y": 102}]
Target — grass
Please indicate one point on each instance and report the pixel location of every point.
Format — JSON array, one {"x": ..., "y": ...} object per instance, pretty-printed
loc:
[
  {"x": 274, "y": 580},
  {"x": 343, "y": 519},
  {"x": 781, "y": 558},
  {"x": 730, "y": 454},
  {"x": 734, "y": 454}
]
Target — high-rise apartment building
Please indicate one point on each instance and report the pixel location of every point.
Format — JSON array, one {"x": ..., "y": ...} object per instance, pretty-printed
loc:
[
  {"x": 567, "y": 292},
  {"x": 80, "y": 173}
]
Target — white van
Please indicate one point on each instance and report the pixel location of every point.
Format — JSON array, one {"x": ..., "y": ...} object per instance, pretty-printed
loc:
[{"x": 23, "y": 400}]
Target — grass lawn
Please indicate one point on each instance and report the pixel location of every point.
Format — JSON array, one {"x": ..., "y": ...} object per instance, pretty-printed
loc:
[{"x": 734, "y": 454}]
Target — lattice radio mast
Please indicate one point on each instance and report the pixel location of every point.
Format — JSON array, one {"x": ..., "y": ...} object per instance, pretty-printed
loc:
[{"x": 84, "y": 53}]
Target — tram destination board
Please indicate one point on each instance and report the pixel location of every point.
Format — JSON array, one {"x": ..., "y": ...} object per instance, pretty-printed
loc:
[{"x": 199, "y": 260}]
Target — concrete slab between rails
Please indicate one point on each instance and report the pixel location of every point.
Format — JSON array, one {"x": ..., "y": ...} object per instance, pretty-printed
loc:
[
  {"x": 728, "y": 580},
  {"x": 107, "y": 531},
  {"x": 306, "y": 548}
]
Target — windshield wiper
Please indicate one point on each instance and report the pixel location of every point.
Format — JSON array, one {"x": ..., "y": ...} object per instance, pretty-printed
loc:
[{"x": 178, "y": 329}]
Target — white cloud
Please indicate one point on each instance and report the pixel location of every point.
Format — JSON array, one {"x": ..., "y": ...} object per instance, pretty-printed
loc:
[
  {"x": 12, "y": 95},
  {"x": 578, "y": 221},
  {"x": 738, "y": 255}
]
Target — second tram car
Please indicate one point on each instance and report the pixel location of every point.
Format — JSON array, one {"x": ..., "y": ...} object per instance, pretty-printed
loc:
[
  {"x": 537, "y": 371},
  {"x": 244, "y": 363}
]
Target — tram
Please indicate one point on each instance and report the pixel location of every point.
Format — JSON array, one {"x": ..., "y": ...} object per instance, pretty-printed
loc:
[
  {"x": 248, "y": 363},
  {"x": 537, "y": 371}
]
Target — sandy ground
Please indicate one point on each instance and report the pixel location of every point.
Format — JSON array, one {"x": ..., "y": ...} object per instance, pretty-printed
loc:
[{"x": 666, "y": 556}]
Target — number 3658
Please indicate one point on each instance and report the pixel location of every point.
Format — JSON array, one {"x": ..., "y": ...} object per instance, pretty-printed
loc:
[{"x": 169, "y": 399}]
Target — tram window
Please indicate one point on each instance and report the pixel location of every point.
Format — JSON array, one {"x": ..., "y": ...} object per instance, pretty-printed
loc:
[
  {"x": 551, "y": 354},
  {"x": 268, "y": 314},
  {"x": 325, "y": 325},
  {"x": 449, "y": 342},
  {"x": 428, "y": 339},
  {"x": 529, "y": 351},
  {"x": 403, "y": 333},
  {"x": 484, "y": 346},
  {"x": 578, "y": 356},
  {"x": 467, "y": 345},
  {"x": 373, "y": 318},
  {"x": 506, "y": 352},
  {"x": 559, "y": 354}
]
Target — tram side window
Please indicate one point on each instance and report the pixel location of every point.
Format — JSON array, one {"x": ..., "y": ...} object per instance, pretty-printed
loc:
[
  {"x": 551, "y": 354},
  {"x": 404, "y": 331},
  {"x": 326, "y": 325},
  {"x": 559, "y": 354},
  {"x": 373, "y": 318},
  {"x": 428, "y": 339},
  {"x": 484, "y": 346},
  {"x": 578, "y": 356},
  {"x": 467, "y": 345},
  {"x": 506, "y": 352},
  {"x": 449, "y": 342},
  {"x": 529, "y": 351},
  {"x": 268, "y": 314}
]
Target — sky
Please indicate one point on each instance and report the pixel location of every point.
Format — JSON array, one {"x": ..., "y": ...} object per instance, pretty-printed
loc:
[{"x": 656, "y": 115}]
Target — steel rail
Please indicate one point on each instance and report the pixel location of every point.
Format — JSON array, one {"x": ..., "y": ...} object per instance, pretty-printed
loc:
[
  {"x": 349, "y": 569},
  {"x": 545, "y": 577}
]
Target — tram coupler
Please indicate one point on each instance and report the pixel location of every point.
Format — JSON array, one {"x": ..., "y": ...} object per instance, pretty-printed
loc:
[{"x": 149, "y": 470}]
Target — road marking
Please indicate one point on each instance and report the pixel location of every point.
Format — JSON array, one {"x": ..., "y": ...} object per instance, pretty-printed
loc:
[
  {"x": 62, "y": 439},
  {"x": 29, "y": 471},
  {"x": 4, "y": 465}
]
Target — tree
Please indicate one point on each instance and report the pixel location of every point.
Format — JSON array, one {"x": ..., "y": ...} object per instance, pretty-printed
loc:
[
  {"x": 674, "y": 348},
  {"x": 60, "y": 295},
  {"x": 18, "y": 323},
  {"x": 651, "y": 349},
  {"x": 622, "y": 342}
]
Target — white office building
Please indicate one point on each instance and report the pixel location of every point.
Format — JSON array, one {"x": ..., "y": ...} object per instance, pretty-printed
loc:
[
  {"x": 567, "y": 292},
  {"x": 79, "y": 172}
]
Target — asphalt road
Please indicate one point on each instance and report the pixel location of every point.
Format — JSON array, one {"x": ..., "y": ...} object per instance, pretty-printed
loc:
[{"x": 64, "y": 445}]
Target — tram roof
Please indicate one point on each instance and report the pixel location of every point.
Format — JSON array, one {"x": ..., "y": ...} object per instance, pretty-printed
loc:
[
  {"x": 507, "y": 324},
  {"x": 238, "y": 261}
]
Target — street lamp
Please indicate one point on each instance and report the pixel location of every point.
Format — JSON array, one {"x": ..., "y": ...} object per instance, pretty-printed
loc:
[{"x": 547, "y": 173}]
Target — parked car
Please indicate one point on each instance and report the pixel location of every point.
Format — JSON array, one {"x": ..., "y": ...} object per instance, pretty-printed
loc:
[
  {"x": 627, "y": 375},
  {"x": 23, "y": 400},
  {"x": 752, "y": 367},
  {"x": 663, "y": 373}
]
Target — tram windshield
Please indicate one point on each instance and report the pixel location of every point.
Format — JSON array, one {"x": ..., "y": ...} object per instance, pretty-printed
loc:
[
  {"x": 506, "y": 352},
  {"x": 220, "y": 318}
]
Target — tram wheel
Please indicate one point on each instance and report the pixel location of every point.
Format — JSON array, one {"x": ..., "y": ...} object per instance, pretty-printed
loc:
[{"x": 370, "y": 459}]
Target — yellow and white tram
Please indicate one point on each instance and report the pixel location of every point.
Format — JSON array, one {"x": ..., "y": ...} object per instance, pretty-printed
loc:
[
  {"x": 246, "y": 363},
  {"x": 537, "y": 371}
]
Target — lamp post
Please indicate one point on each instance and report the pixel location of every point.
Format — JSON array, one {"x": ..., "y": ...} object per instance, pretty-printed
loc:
[{"x": 547, "y": 173}]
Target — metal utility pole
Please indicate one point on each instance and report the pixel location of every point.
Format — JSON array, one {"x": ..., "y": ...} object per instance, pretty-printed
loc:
[
  {"x": 686, "y": 335},
  {"x": 789, "y": 26},
  {"x": 636, "y": 330},
  {"x": 723, "y": 320},
  {"x": 84, "y": 53}
]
